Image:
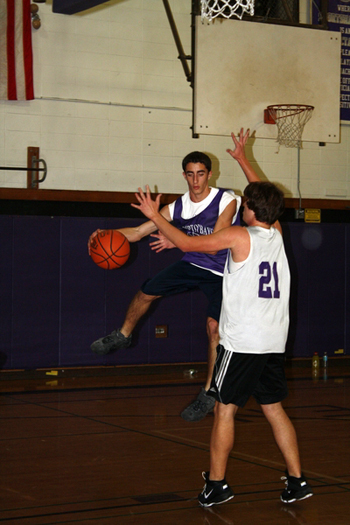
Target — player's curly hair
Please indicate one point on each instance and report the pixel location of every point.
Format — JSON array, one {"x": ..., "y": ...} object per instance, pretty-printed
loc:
[
  {"x": 265, "y": 200},
  {"x": 195, "y": 157}
]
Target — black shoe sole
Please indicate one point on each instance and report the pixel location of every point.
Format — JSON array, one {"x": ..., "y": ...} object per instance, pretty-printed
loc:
[
  {"x": 215, "y": 502},
  {"x": 297, "y": 499}
]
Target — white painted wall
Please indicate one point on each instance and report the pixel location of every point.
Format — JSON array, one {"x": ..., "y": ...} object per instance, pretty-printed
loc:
[{"x": 113, "y": 111}]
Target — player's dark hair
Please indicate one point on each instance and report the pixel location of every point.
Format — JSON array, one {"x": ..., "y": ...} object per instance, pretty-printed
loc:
[
  {"x": 265, "y": 200},
  {"x": 195, "y": 157}
]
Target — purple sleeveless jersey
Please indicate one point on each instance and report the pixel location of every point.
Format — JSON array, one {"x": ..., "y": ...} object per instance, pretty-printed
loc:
[{"x": 202, "y": 224}]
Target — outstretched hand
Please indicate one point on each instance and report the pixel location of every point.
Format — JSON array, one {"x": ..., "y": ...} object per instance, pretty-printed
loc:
[
  {"x": 147, "y": 206},
  {"x": 162, "y": 243},
  {"x": 239, "y": 153}
]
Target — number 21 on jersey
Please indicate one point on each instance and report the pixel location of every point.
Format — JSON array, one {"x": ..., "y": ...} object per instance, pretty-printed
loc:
[{"x": 268, "y": 282}]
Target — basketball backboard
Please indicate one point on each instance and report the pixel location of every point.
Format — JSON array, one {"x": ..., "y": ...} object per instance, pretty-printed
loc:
[{"x": 241, "y": 67}]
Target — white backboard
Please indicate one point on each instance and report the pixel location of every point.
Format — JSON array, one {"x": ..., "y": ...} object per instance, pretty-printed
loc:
[{"x": 242, "y": 67}]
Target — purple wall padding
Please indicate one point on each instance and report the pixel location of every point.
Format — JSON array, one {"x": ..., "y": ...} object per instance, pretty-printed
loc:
[
  {"x": 6, "y": 272},
  {"x": 55, "y": 301},
  {"x": 319, "y": 301},
  {"x": 35, "y": 290}
]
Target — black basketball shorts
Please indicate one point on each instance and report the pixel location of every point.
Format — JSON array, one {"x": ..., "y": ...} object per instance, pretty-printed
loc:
[
  {"x": 181, "y": 277},
  {"x": 238, "y": 376}
]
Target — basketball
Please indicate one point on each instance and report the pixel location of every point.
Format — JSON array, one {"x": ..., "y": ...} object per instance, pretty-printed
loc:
[{"x": 110, "y": 249}]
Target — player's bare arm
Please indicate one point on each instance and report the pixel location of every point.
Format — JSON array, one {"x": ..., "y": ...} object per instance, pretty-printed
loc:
[
  {"x": 225, "y": 219},
  {"x": 136, "y": 233},
  {"x": 239, "y": 155}
]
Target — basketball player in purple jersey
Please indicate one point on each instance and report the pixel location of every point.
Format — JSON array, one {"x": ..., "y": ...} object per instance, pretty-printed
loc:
[
  {"x": 253, "y": 327},
  {"x": 200, "y": 211}
]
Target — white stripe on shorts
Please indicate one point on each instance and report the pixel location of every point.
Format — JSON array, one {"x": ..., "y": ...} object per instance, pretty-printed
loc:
[{"x": 220, "y": 375}]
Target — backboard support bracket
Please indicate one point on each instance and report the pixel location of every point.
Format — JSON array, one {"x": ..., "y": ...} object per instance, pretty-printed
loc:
[{"x": 182, "y": 55}]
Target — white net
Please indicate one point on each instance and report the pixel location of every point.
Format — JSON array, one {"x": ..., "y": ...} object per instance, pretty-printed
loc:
[
  {"x": 227, "y": 8},
  {"x": 290, "y": 120}
]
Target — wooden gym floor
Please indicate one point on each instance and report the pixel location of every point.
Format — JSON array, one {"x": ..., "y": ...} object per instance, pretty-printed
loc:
[{"x": 107, "y": 446}]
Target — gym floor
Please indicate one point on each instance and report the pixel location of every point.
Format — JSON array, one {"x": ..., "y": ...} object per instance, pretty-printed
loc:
[{"x": 107, "y": 445}]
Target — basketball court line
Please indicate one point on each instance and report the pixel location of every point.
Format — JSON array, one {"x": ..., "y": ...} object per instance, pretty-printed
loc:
[
  {"x": 116, "y": 509},
  {"x": 260, "y": 461},
  {"x": 175, "y": 384},
  {"x": 135, "y": 507},
  {"x": 190, "y": 442}
]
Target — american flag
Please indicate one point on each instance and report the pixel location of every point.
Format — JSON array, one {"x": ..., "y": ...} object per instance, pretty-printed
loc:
[{"x": 16, "y": 55}]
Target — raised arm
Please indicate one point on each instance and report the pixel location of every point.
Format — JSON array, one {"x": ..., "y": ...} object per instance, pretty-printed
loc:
[{"x": 239, "y": 155}]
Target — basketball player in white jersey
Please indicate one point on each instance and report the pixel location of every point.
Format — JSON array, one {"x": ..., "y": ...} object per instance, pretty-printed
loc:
[{"x": 253, "y": 327}]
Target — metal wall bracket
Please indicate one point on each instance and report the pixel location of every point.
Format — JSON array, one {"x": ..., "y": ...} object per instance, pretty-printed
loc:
[
  {"x": 32, "y": 168},
  {"x": 33, "y": 162}
]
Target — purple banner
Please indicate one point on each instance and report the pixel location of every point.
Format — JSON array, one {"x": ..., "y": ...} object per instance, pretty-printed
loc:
[{"x": 338, "y": 18}]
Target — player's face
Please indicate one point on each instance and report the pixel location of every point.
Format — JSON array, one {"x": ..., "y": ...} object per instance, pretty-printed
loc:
[{"x": 197, "y": 177}]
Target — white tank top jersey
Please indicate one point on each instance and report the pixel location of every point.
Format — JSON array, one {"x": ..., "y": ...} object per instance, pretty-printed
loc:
[
  {"x": 255, "y": 307},
  {"x": 192, "y": 209}
]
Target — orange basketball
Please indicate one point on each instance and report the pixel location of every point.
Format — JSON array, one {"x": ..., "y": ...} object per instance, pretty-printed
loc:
[{"x": 110, "y": 249}]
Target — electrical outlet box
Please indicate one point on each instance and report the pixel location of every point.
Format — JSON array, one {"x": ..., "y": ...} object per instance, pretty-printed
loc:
[
  {"x": 299, "y": 214},
  {"x": 162, "y": 330}
]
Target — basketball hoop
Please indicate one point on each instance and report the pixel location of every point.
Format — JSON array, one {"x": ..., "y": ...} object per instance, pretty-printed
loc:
[
  {"x": 210, "y": 9},
  {"x": 290, "y": 120}
]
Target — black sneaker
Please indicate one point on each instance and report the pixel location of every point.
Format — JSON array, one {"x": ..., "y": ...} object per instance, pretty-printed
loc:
[
  {"x": 214, "y": 492},
  {"x": 115, "y": 341},
  {"x": 296, "y": 489},
  {"x": 199, "y": 408}
]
